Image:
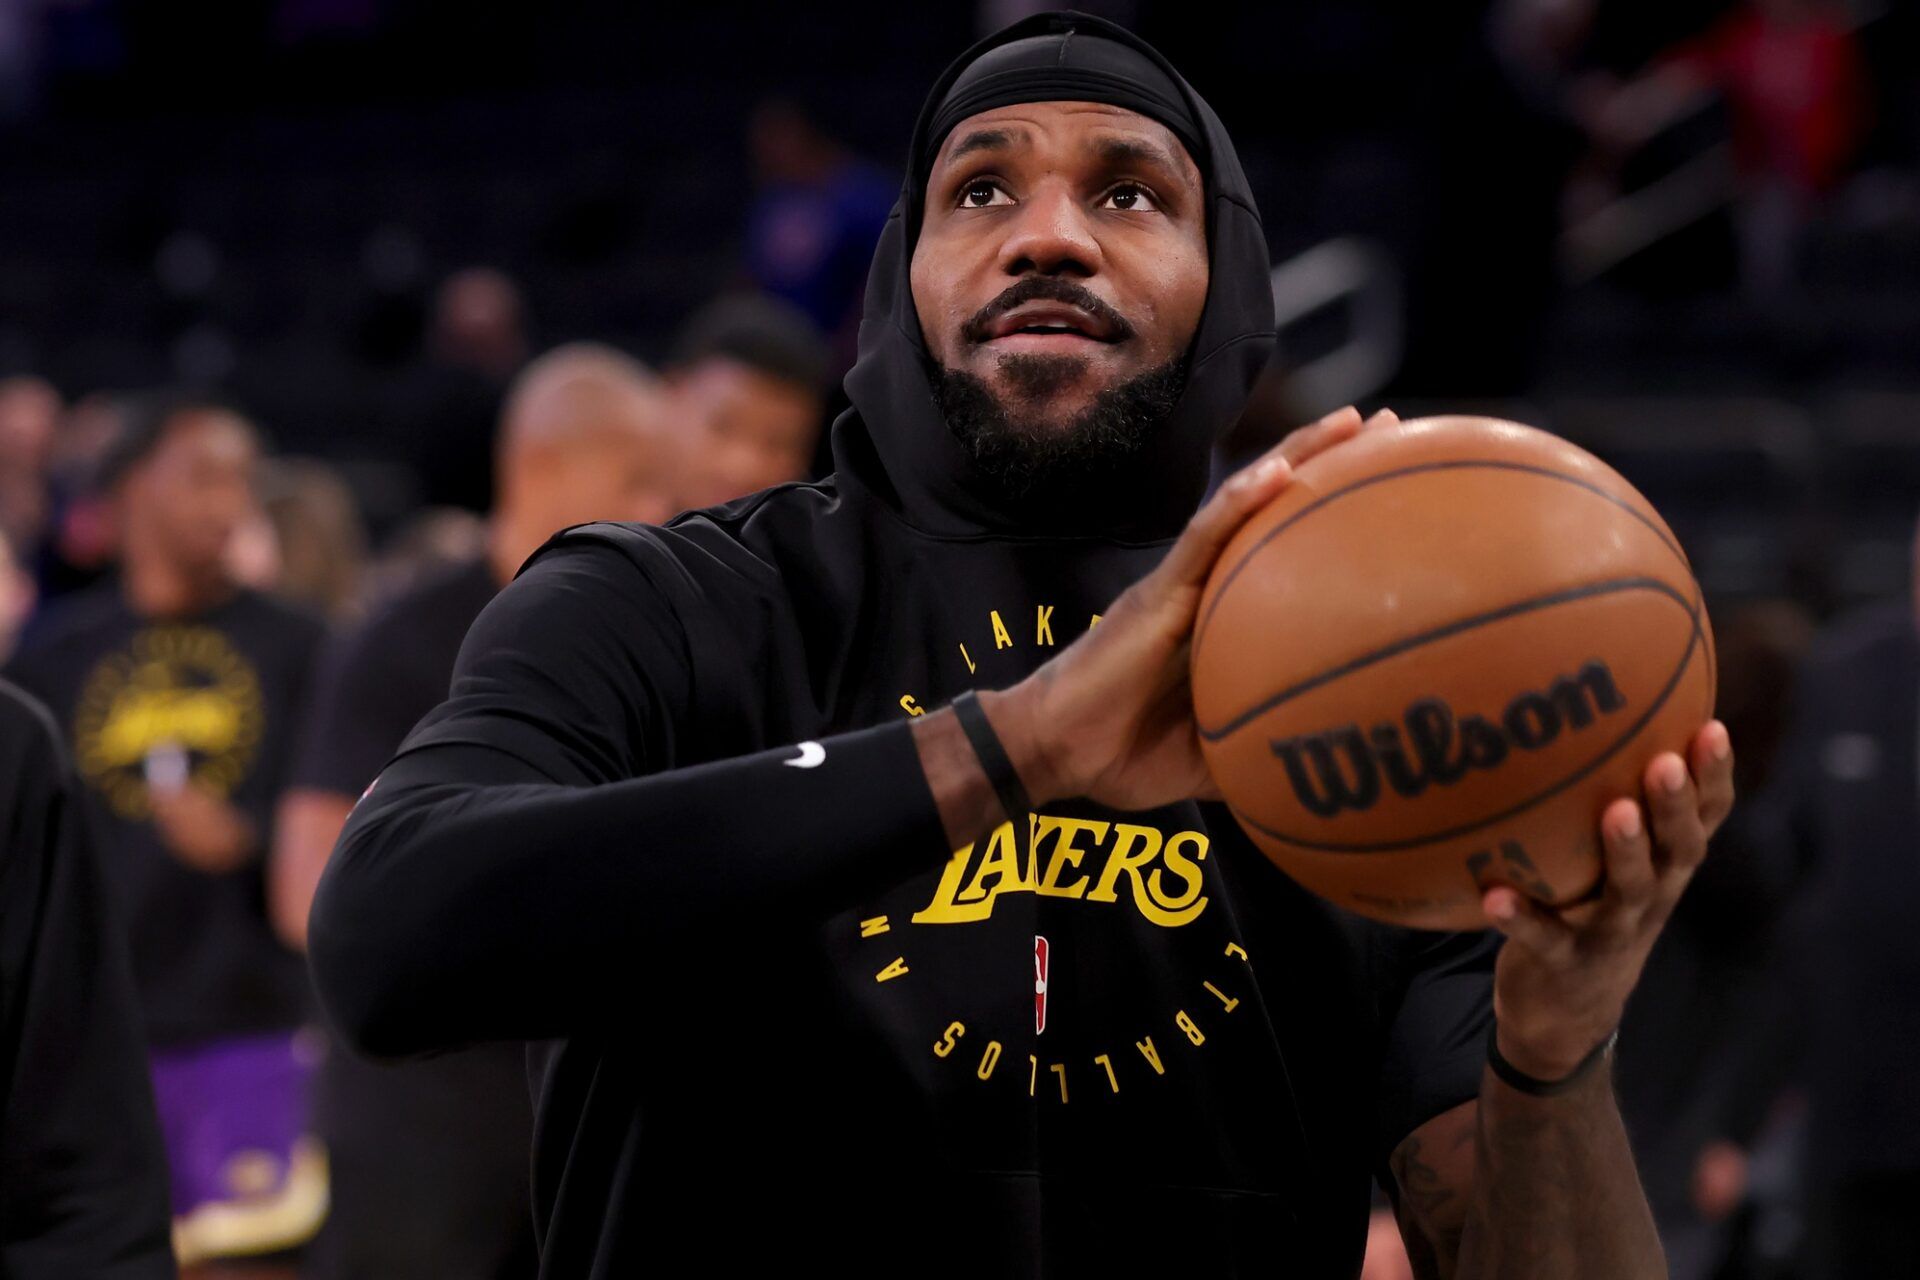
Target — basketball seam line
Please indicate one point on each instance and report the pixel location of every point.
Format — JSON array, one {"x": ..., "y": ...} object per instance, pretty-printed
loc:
[
  {"x": 1632, "y": 732},
  {"x": 1607, "y": 587},
  {"x": 1200, "y": 631}
]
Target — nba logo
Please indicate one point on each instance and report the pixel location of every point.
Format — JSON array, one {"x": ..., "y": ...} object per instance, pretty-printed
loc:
[{"x": 1039, "y": 984}]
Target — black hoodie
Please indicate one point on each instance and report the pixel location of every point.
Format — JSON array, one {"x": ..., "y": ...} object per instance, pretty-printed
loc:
[{"x": 773, "y": 994}]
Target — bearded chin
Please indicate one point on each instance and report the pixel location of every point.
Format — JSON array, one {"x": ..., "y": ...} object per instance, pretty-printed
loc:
[{"x": 1023, "y": 451}]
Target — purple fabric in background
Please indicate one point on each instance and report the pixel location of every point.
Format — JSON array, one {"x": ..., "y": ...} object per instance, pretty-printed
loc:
[{"x": 222, "y": 1105}]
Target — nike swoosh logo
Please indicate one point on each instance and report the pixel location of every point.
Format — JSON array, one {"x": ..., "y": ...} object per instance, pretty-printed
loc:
[{"x": 811, "y": 754}]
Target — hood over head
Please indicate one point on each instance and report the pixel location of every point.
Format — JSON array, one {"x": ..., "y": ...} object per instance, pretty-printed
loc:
[{"x": 894, "y": 440}]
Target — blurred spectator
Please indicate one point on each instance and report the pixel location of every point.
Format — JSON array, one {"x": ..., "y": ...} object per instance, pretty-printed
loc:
[
  {"x": 307, "y": 544},
  {"x": 478, "y": 324},
  {"x": 447, "y": 407},
  {"x": 29, "y": 411},
  {"x": 17, "y": 600},
  {"x": 813, "y": 225},
  {"x": 749, "y": 378},
  {"x": 430, "y": 1158},
  {"x": 179, "y": 689},
  {"x": 83, "y": 1178},
  {"x": 1795, "y": 83},
  {"x": 1841, "y": 1018},
  {"x": 79, "y": 546},
  {"x": 1705, "y": 973}
]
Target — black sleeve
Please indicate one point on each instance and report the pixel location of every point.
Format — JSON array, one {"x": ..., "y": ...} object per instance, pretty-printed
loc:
[
  {"x": 513, "y": 871},
  {"x": 355, "y": 716},
  {"x": 83, "y": 1192},
  {"x": 1436, "y": 1037}
]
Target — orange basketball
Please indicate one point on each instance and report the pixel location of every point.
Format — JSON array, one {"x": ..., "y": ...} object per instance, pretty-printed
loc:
[{"x": 1435, "y": 658}]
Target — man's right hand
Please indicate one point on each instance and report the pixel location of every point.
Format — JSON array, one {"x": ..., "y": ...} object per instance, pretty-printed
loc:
[{"x": 1110, "y": 718}]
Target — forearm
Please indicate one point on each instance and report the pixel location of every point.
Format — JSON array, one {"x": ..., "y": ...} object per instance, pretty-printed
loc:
[
  {"x": 306, "y": 826},
  {"x": 471, "y": 900},
  {"x": 962, "y": 792},
  {"x": 1554, "y": 1191}
]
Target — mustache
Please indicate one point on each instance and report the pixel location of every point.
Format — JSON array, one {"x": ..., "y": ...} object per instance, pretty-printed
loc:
[{"x": 1050, "y": 289}]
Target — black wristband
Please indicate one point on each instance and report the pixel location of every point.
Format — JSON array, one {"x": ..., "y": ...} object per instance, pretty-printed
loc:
[
  {"x": 993, "y": 757},
  {"x": 1515, "y": 1078}
]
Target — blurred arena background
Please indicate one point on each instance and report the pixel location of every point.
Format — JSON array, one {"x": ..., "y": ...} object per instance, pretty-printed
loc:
[{"x": 1684, "y": 235}]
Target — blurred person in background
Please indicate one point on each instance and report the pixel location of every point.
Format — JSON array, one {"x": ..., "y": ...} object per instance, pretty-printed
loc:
[
  {"x": 1704, "y": 977},
  {"x": 83, "y": 1177},
  {"x": 749, "y": 377},
  {"x": 447, "y": 407},
  {"x": 179, "y": 689},
  {"x": 18, "y": 597},
  {"x": 430, "y": 1159},
  {"x": 79, "y": 547},
  {"x": 306, "y": 544},
  {"x": 1838, "y": 1027},
  {"x": 29, "y": 412},
  {"x": 479, "y": 324},
  {"x": 1795, "y": 84},
  {"x": 812, "y": 227}
]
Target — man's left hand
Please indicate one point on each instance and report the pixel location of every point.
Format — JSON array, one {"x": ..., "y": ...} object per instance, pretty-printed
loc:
[{"x": 1562, "y": 980}]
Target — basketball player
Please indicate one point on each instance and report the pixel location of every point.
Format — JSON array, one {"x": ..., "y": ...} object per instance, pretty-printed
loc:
[
  {"x": 83, "y": 1190},
  {"x": 429, "y": 1159},
  {"x": 180, "y": 690},
  {"x": 989, "y": 989}
]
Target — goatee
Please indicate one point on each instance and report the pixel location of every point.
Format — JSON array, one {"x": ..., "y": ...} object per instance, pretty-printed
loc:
[{"x": 1023, "y": 454}]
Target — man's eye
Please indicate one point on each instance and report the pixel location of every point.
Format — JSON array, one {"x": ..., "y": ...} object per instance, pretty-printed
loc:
[
  {"x": 982, "y": 192},
  {"x": 1131, "y": 198}
]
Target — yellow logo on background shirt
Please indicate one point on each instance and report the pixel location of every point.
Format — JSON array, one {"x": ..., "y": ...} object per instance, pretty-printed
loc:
[{"x": 183, "y": 689}]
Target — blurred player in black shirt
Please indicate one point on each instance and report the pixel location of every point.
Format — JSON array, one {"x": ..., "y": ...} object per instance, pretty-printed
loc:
[
  {"x": 179, "y": 691},
  {"x": 83, "y": 1190},
  {"x": 430, "y": 1159}
]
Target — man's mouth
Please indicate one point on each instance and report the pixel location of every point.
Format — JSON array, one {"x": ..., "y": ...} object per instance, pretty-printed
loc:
[{"x": 1048, "y": 327}]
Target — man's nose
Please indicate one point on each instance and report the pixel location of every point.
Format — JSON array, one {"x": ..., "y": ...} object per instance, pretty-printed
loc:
[{"x": 1050, "y": 234}]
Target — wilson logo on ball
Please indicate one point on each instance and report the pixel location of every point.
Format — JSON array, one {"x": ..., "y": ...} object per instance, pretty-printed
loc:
[{"x": 1343, "y": 768}]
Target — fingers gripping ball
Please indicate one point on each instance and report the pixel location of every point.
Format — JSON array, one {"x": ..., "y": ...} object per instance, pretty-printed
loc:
[{"x": 1428, "y": 665}]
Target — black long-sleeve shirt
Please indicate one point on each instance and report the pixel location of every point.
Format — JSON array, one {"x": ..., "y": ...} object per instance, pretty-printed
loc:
[{"x": 772, "y": 983}]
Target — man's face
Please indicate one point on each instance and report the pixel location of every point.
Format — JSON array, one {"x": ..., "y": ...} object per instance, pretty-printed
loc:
[
  {"x": 190, "y": 494},
  {"x": 750, "y": 430},
  {"x": 1062, "y": 254}
]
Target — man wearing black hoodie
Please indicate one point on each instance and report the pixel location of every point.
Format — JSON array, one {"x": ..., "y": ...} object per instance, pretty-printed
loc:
[{"x": 993, "y": 989}]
